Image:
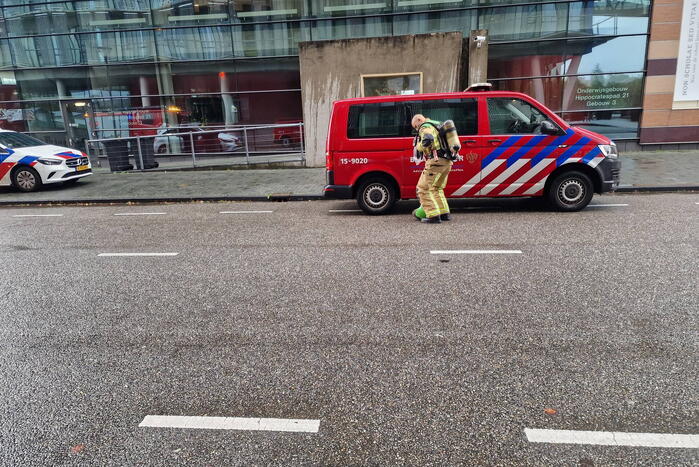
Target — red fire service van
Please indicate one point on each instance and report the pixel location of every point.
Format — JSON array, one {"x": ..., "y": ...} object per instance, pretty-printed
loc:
[{"x": 511, "y": 145}]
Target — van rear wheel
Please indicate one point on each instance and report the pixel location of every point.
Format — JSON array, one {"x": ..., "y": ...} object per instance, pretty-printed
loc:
[
  {"x": 570, "y": 191},
  {"x": 376, "y": 196}
]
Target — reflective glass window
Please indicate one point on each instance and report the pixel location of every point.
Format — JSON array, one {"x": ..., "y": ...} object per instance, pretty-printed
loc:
[
  {"x": 548, "y": 91},
  {"x": 46, "y": 51},
  {"x": 513, "y": 116},
  {"x": 8, "y": 86},
  {"x": 118, "y": 47},
  {"x": 177, "y": 13},
  {"x": 52, "y": 82},
  {"x": 267, "y": 10},
  {"x": 421, "y": 23},
  {"x": 266, "y": 40},
  {"x": 329, "y": 8},
  {"x": 603, "y": 91},
  {"x": 267, "y": 74},
  {"x": 206, "y": 43},
  {"x": 526, "y": 59},
  {"x": 3, "y": 30},
  {"x": 605, "y": 55},
  {"x": 351, "y": 28},
  {"x": 5, "y": 55},
  {"x": 96, "y": 15},
  {"x": 269, "y": 107},
  {"x": 616, "y": 124},
  {"x": 609, "y": 17},
  {"x": 524, "y": 22},
  {"x": 31, "y": 116},
  {"x": 408, "y": 5}
]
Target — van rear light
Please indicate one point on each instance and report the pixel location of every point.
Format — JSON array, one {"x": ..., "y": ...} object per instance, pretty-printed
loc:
[{"x": 328, "y": 161}]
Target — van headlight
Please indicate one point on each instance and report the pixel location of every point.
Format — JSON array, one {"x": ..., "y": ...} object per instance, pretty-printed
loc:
[
  {"x": 609, "y": 150},
  {"x": 50, "y": 161}
]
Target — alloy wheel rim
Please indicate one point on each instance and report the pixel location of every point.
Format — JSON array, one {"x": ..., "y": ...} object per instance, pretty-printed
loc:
[{"x": 26, "y": 180}]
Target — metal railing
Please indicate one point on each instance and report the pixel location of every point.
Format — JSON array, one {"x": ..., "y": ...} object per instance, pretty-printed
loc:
[{"x": 185, "y": 147}]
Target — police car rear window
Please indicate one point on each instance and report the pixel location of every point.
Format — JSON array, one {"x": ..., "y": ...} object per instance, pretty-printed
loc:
[{"x": 392, "y": 119}]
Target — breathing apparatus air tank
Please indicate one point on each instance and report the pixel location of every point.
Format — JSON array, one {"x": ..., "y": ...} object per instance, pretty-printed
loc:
[{"x": 451, "y": 136}]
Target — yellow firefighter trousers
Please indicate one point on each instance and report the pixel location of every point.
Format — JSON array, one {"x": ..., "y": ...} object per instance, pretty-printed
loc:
[{"x": 430, "y": 187}]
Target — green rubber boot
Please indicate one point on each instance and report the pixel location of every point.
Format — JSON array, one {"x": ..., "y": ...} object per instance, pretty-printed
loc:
[{"x": 419, "y": 213}]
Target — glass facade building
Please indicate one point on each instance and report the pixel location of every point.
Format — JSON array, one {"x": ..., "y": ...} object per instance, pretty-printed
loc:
[{"x": 69, "y": 69}]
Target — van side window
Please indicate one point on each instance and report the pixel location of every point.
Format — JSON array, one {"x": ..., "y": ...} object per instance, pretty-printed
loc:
[
  {"x": 510, "y": 116},
  {"x": 381, "y": 120},
  {"x": 464, "y": 112}
]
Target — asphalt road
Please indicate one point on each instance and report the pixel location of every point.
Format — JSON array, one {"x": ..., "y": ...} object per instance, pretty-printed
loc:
[{"x": 405, "y": 357}]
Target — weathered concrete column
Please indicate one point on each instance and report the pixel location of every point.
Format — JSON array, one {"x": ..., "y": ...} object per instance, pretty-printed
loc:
[{"x": 478, "y": 56}]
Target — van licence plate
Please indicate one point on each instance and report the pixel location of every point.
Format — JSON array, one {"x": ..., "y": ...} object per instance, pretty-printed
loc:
[{"x": 83, "y": 167}]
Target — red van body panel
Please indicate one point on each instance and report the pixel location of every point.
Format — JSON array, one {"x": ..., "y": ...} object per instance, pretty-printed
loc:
[{"x": 511, "y": 164}]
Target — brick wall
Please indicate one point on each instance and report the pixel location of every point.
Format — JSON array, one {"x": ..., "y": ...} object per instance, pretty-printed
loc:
[{"x": 660, "y": 122}]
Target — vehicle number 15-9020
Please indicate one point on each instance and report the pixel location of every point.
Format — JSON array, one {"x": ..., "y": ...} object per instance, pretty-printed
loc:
[{"x": 354, "y": 160}]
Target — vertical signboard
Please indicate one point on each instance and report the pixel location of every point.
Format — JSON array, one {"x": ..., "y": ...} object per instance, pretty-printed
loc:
[{"x": 686, "y": 94}]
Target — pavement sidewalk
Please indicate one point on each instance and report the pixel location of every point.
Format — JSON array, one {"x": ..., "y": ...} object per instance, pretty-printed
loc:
[{"x": 641, "y": 171}]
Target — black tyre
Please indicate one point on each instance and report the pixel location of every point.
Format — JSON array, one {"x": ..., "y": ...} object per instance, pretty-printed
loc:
[
  {"x": 26, "y": 179},
  {"x": 570, "y": 191},
  {"x": 286, "y": 142},
  {"x": 376, "y": 196},
  {"x": 162, "y": 149}
]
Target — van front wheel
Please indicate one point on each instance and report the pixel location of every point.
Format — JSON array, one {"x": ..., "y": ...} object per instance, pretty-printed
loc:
[
  {"x": 376, "y": 196},
  {"x": 570, "y": 191}
]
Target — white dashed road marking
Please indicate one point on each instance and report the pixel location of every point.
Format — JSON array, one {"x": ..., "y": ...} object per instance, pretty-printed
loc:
[
  {"x": 140, "y": 213},
  {"x": 345, "y": 210},
  {"x": 138, "y": 254},
  {"x": 610, "y": 438},
  {"x": 476, "y": 252},
  {"x": 231, "y": 423},
  {"x": 605, "y": 205},
  {"x": 38, "y": 215},
  {"x": 245, "y": 212}
]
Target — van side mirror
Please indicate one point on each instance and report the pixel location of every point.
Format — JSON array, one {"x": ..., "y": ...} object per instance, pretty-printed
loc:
[{"x": 548, "y": 128}]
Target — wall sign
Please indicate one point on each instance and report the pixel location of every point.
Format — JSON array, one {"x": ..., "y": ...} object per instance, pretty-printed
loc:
[{"x": 687, "y": 77}]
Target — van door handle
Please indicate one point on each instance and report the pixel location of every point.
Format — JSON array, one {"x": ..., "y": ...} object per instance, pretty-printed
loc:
[
  {"x": 470, "y": 141},
  {"x": 495, "y": 141}
]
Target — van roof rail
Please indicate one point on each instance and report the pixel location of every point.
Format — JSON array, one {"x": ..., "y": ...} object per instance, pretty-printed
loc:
[{"x": 479, "y": 87}]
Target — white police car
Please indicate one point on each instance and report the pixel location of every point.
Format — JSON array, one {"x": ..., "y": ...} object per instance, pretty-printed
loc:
[{"x": 27, "y": 163}]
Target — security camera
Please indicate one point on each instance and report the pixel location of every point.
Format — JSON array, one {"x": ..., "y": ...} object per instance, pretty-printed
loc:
[{"x": 479, "y": 41}]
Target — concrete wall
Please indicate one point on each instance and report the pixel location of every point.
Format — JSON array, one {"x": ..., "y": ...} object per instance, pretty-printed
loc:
[{"x": 331, "y": 70}]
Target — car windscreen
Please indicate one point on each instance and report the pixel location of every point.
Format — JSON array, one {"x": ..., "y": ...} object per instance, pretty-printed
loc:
[{"x": 18, "y": 140}]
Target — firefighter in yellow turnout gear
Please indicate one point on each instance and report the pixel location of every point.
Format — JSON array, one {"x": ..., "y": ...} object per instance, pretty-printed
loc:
[{"x": 430, "y": 188}]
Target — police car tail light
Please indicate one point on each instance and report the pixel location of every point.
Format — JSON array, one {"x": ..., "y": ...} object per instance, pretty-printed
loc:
[
  {"x": 609, "y": 150},
  {"x": 50, "y": 161}
]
